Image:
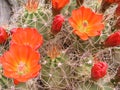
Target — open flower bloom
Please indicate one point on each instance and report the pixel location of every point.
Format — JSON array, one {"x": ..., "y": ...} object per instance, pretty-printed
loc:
[
  {"x": 3, "y": 35},
  {"x": 113, "y": 40},
  {"x": 32, "y": 5},
  {"x": 27, "y": 36},
  {"x": 21, "y": 63},
  {"x": 86, "y": 23},
  {"x": 99, "y": 70}
]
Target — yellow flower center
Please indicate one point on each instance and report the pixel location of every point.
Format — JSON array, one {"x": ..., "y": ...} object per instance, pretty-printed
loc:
[
  {"x": 22, "y": 68},
  {"x": 83, "y": 26},
  {"x": 85, "y": 23}
]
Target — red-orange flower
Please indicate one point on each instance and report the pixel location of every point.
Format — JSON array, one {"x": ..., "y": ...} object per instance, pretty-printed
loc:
[
  {"x": 113, "y": 40},
  {"x": 3, "y": 35},
  {"x": 59, "y": 4},
  {"x": 86, "y": 23},
  {"x": 99, "y": 70},
  {"x": 32, "y": 5},
  {"x": 21, "y": 63},
  {"x": 27, "y": 36}
]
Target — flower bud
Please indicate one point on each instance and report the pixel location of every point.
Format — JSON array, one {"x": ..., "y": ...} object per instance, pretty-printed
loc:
[
  {"x": 113, "y": 40},
  {"x": 57, "y": 24},
  {"x": 3, "y": 35},
  {"x": 99, "y": 70}
]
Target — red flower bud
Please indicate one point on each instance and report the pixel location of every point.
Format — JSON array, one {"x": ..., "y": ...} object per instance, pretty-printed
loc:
[
  {"x": 113, "y": 40},
  {"x": 99, "y": 70},
  {"x": 3, "y": 35},
  {"x": 57, "y": 24}
]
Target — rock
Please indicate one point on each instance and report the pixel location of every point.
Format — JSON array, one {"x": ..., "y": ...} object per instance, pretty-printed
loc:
[{"x": 5, "y": 12}]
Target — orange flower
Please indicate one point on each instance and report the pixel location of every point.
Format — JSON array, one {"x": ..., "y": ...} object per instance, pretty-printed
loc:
[
  {"x": 86, "y": 23},
  {"x": 3, "y": 35},
  {"x": 27, "y": 36},
  {"x": 32, "y": 5},
  {"x": 59, "y": 4},
  {"x": 21, "y": 63}
]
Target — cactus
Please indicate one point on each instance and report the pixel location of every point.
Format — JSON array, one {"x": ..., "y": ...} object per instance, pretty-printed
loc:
[
  {"x": 55, "y": 71},
  {"x": 35, "y": 15},
  {"x": 66, "y": 59}
]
